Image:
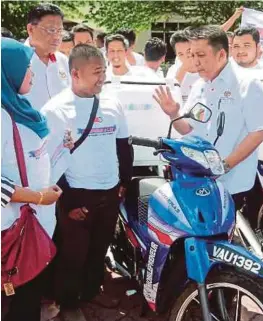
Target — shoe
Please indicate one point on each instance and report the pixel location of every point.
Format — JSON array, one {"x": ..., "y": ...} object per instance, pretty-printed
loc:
[
  {"x": 105, "y": 301},
  {"x": 49, "y": 311}
]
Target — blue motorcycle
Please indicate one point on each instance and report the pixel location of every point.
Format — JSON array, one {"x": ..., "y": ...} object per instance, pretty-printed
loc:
[{"x": 173, "y": 236}]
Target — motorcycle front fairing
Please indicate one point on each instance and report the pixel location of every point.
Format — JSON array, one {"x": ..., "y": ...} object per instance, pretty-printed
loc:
[{"x": 186, "y": 208}]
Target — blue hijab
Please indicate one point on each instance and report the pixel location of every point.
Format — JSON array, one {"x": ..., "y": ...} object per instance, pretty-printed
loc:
[{"x": 15, "y": 58}]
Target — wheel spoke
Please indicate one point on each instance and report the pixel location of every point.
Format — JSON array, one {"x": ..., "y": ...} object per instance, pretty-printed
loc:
[
  {"x": 222, "y": 305},
  {"x": 212, "y": 314},
  {"x": 238, "y": 306}
]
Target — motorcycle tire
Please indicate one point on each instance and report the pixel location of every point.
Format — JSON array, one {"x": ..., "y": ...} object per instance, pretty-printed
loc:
[{"x": 234, "y": 278}]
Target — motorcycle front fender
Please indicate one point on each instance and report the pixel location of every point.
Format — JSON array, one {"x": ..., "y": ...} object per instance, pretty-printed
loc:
[{"x": 236, "y": 256}]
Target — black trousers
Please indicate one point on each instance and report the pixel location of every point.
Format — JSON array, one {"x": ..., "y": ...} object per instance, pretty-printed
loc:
[
  {"x": 25, "y": 305},
  {"x": 250, "y": 203},
  {"x": 82, "y": 245}
]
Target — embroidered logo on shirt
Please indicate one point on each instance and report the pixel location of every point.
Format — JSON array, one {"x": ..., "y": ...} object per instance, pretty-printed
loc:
[
  {"x": 39, "y": 152},
  {"x": 227, "y": 94},
  {"x": 62, "y": 74},
  {"x": 98, "y": 120}
]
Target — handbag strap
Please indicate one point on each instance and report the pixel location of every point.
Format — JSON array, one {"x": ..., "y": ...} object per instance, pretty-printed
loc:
[
  {"x": 19, "y": 155},
  {"x": 89, "y": 125}
]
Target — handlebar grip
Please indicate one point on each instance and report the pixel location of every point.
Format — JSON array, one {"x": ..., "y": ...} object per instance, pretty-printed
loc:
[{"x": 139, "y": 141}]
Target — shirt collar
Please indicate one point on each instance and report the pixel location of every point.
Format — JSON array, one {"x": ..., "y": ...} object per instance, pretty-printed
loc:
[
  {"x": 226, "y": 74},
  {"x": 52, "y": 56}
]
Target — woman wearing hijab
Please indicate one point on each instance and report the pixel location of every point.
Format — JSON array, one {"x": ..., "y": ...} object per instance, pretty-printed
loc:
[{"x": 16, "y": 78}]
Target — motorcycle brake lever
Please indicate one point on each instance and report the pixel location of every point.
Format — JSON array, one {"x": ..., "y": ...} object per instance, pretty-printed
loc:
[{"x": 158, "y": 151}]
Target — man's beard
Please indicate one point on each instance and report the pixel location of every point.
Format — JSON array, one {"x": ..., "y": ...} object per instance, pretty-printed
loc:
[{"x": 248, "y": 64}]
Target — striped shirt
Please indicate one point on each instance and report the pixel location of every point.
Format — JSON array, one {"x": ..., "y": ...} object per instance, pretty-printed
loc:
[{"x": 7, "y": 190}]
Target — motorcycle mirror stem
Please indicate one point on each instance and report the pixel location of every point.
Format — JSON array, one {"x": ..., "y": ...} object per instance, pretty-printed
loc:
[{"x": 174, "y": 120}]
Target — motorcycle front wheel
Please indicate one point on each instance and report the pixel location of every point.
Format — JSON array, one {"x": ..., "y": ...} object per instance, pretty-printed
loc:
[{"x": 233, "y": 296}]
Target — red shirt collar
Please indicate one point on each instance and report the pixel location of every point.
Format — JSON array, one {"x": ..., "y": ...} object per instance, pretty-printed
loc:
[{"x": 52, "y": 57}]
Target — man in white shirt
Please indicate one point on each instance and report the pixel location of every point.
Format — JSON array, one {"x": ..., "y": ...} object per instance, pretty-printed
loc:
[
  {"x": 82, "y": 34},
  {"x": 223, "y": 89},
  {"x": 67, "y": 43},
  {"x": 99, "y": 171},
  {"x": 50, "y": 67},
  {"x": 184, "y": 70},
  {"x": 116, "y": 52},
  {"x": 100, "y": 41},
  {"x": 246, "y": 48},
  {"x": 133, "y": 57},
  {"x": 154, "y": 53}
]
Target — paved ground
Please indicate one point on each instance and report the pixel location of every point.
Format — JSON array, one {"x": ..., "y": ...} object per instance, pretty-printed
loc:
[{"x": 129, "y": 308}]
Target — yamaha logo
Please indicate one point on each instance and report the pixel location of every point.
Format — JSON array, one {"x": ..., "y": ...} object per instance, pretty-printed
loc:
[{"x": 202, "y": 192}]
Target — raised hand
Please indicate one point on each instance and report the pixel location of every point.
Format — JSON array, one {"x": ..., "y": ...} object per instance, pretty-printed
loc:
[{"x": 164, "y": 98}]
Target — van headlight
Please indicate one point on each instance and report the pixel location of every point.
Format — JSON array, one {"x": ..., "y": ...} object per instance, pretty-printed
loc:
[{"x": 214, "y": 161}]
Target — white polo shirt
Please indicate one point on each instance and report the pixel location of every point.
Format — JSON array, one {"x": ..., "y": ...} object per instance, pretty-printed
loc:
[
  {"x": 187, "y": 83},
  {"x": 94, "y": 165},
  {"x": 146, "y": 72},
  {"x": 48, "y": 80},
  {"x": 241, "y": 99},
  {"x": 110, "y": 74},
  {"x": 139, "y": 59}
]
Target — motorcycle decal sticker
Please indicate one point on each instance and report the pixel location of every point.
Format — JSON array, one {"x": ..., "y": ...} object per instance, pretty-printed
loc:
[
  {"x": 232, "y": 257},
  {"x": 150, "y": 289},
  {"x": 161, "y": 231},
  {"x": 165, "y": 196}
]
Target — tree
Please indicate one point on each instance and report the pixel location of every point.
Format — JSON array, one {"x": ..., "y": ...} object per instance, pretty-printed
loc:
[
  {"x": 14, "y": 13},
  {"x": 140, "y": 14}
]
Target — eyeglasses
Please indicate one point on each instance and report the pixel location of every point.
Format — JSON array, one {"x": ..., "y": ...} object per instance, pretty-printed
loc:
[{"x": 52, "y": 31}]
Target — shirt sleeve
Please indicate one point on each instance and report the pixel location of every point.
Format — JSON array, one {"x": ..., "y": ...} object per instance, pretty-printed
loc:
[
  {"x": 123, "y": 126},
  {"x": 253, "y": 105},
  {"x": 7, "y": 190}
]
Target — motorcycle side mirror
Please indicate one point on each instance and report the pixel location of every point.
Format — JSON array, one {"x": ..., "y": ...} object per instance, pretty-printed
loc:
[{"x": 199, "y": 112}]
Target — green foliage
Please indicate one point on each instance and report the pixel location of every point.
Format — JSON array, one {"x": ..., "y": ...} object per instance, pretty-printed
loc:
[
  {"x": 14, "y": 13},
  {"x": 140, "y": 14}
]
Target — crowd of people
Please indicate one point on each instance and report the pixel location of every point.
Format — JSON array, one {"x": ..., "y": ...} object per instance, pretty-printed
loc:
[{"x": 75, "y": 135}]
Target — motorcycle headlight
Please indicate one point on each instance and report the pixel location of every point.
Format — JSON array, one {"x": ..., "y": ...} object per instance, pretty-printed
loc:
[
  {"x": 195, "y": 155},
  {"x": 214, "y": 161}
]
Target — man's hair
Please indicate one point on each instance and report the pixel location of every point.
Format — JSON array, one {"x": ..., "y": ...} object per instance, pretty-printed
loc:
[
  {"x": 42, "y": 10},
  {"x": 102, "y": 36},
  {"x": 82, "y": 28},
  {"x": 129, "y": 34},
  {"x": 215, "y": 36},
  {"x": 83, "y": 52},
  {"x": 230, "y": 34},
  {"x": 6, "y": 33},
  {"x": 116, "y": 37},
  {"x": 67, "y": 36},
  {"x": 248, "y": 31},
  {"x": 178, "y": 36},
  {"x": 154, "y": 49}
]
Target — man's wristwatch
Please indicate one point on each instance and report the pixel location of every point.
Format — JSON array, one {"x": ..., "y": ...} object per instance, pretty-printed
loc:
[{"x": 226, "y": 167}]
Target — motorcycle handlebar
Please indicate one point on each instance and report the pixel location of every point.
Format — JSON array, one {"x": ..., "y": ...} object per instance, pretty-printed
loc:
[{"x": 145, "y": 142}]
